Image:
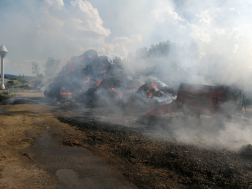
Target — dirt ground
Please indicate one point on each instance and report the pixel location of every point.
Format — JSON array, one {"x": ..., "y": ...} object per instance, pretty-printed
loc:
[
  {"x": 32, "y": 153},
  {"x": 63, "y": 147}
]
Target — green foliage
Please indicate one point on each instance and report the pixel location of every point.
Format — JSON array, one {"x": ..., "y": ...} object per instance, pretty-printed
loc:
[
  {"x": 12, "y": 78},
  {"x": 4, "y": 96},
  {"x": 51, "y": 66},
  {"x": 169, "y": 62},
  {"x": 21, "y": 79},
  {"x": 156, "y": 50},
  {"x": 160, "y": 49},
  {"x": 26, "y": 86},
  {"x": 35, "y": 69}
]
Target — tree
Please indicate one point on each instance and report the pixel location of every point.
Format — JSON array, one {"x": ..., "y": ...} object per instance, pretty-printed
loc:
[
  {"x": 35, "y": 69},
  {"x": 160, "y": 49},
  {"x": 51, "y": 66},
  {"x": 21, "y": 78}
]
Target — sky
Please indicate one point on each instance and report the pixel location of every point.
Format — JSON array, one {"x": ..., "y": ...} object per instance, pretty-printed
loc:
[{"x": 33, "y": 30}]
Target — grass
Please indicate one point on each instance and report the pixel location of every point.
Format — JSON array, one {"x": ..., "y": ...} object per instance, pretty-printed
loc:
[
  {"x": 4, "y": 97},
  {"x": 16, "y": 87}
]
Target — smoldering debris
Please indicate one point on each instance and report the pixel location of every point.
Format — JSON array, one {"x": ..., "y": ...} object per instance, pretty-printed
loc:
[
  {"x": 246, "y": 151},
  {"x": 205, "y": 131},
  {"x": 93, "y": 81},
  {"x": 168, "y": 163}
]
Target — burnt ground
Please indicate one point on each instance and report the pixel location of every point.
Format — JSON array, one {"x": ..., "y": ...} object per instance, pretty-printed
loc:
[
  {"x": 123, "y": 141},
  {"x": 159, "y": 163}
]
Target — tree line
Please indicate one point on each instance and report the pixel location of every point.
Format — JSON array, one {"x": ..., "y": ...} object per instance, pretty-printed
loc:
[{"x": 51, "y": 66}]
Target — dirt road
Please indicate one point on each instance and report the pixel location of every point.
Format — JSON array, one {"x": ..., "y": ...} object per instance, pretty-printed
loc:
[{"x": 32, "y": 154}]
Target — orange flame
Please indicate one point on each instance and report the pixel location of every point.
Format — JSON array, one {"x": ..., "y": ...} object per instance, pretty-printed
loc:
[
  {"x": 150, "y": 94},
  {"x": 99, "y": 82},
  {"x": 120, "y": 94},
  {"x": 68, "y": 93},
  {"x": 63, "y": 93},
  {"x": 81, "y": 89},
  {"x": 154, "y": 85},
  {"x": 87, "y": 80},
  {"x": 112, "y": 89}
]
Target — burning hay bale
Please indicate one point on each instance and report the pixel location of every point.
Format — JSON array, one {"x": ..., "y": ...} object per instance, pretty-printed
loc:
[
  {"x": 94, "y": 81},
  {"x": 150, "y": 90},
  {"x": 82, "y": 77},
  {"x": 155, "y": 88}
]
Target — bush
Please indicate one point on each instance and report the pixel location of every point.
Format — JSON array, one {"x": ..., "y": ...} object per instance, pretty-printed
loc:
[{"x": 4, "y": 96}]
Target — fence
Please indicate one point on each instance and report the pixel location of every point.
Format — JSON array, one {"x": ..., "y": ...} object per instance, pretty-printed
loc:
[{"x": 12, "y": 90}]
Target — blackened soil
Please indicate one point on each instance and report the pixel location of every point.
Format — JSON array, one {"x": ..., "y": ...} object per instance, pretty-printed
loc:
[{"x": 162, "y": 164}]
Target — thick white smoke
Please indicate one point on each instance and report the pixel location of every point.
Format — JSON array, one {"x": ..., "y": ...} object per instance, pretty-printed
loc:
[{"x": 210, "y": 41}]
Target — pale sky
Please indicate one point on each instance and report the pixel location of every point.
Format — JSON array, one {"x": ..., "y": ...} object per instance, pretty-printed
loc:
[{"x": 33, "y": 30}]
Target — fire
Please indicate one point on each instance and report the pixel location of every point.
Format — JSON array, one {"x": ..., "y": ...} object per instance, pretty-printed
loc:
[
  {"x": 87, "y": 80},
  {"x": 81, "y": 89},
  {"x": 68, "y": 93},
  {"x": 150, "y": 94},
  {"x": 154, "y": 85},
  {"x": 120, "y": 94},
  {"x": 99, "y": 82},
  {"x": 63, "y": 93},
  {"x": 136, "y": 85}
]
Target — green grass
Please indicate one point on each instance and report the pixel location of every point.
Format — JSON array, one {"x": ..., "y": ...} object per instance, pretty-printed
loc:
[
  {"x": 14, "y": 88},
  {"x": 4, "y": 97}
]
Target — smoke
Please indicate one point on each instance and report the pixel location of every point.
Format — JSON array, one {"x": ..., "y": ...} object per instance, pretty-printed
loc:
[
  {"x": 217, "y": 132},
  {"x": 36, "y": 30},
  {"x": 209, "y": 41},
  {"x": 224, "y": 60}
]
